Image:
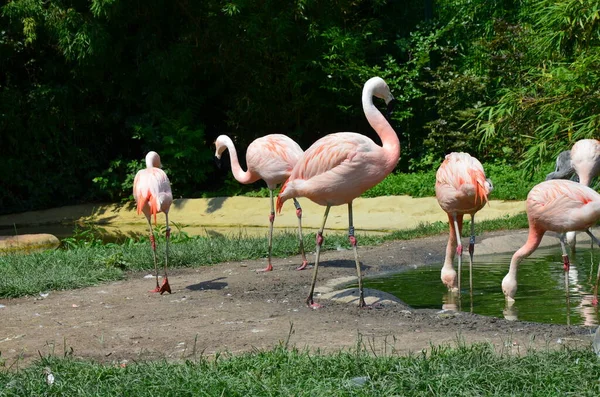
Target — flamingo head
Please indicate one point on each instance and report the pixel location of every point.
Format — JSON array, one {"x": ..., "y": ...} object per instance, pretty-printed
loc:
[
  {"x": 509, "y": 287},
  {"x": 449, "y": 278},
  {"x": 380, "y": 89},
  {"x": 153, "y": 160}
]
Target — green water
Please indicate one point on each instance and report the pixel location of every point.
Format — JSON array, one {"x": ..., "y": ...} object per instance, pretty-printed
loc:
[{"x": 540, "y": 297}]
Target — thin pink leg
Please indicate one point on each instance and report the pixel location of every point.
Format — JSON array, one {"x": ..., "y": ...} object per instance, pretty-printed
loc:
[
  {"x": 299, "y": 215},
  {"x": 271, "y": 221}
]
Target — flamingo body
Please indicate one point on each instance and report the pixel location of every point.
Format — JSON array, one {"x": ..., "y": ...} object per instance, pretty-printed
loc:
[
  {"x": 460, "y": 184},
  {"x": 460, "y": 188},
  {"x": 340, "y": 167},
  {"x": 270, "y": 158},
  {"x": 557, "y": 206}
]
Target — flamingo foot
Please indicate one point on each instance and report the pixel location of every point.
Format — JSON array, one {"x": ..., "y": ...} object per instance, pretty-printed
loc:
[
  {"x": 269, "y": 268},
  {"x": 157, "y": 289},
  {"x": 595, "y": 301},
  {"x": 310, "y": 303},
  {"x": 566, "y": 263},
  {"x": 165, "y": 287},
  {"x": 304, "y": 265}
]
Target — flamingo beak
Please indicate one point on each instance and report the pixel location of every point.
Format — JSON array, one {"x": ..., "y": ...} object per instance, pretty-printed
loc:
[{"x": 390, "y": 107}]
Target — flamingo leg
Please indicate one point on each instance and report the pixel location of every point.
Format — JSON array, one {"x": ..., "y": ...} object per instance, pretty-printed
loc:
[
  {"x": 595, "y": 298},
  {"x": 299, "y": 215},
  {"x": 353, "y": 242},
  {"x": 153, "y": 245},
  {"x": 566, "y": 266},
  {"x": 165, "y": 287},
  {"x": 459, "y": 247},
  {"x": 309, "y": 300},
  {"x": 471, "y": 251},
  {"x": 271, "y": 220}
]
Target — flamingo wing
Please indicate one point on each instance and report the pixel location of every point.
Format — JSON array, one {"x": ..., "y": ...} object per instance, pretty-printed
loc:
[
  {"x": 461, "y": 183},
  {"x": 148, "y": 186},
  {"x": 329, "y": 153}
]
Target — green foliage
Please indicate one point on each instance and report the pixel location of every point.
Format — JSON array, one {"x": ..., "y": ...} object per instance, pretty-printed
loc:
[
  {"x": 552, "y": 102},
  {"x": 88, "y": 87}
]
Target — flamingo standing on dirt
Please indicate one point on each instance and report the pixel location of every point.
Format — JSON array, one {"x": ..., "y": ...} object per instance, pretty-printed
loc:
[
  {"x": 340, "y": 167},
  {"x": 270, "y": 158},
  {"x": 559, "y": 206},
  {"x": 152, "y": 193},
  {"x": 460, "y": 188}
]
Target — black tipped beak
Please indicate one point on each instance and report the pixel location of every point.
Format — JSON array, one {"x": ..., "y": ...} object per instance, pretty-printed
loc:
[
  {"x": 217, "y": 162},
  {"x": 390, "y": 107}
]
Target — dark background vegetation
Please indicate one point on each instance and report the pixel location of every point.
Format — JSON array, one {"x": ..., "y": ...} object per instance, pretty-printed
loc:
[{"x": 88, "y": 87}]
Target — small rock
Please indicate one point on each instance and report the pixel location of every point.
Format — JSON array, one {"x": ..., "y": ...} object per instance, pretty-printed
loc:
[
  {"x": 359, "y": 381},
  {"x": 596, "y": 342}
]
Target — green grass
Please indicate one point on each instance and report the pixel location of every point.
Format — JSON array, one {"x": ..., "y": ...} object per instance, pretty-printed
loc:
[
  {"x": 464, "y": 371},
  {"x": 90, "y": 264}
]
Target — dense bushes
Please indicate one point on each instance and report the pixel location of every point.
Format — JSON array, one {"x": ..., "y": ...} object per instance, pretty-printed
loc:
[{"x": 88, "y": 87}]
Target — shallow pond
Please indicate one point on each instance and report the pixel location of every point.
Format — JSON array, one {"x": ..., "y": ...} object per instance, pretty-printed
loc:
[{"x": 540, "y": 297}]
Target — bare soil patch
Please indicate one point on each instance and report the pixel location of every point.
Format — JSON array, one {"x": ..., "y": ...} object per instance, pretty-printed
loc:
[{"x": 231, "y": 308}]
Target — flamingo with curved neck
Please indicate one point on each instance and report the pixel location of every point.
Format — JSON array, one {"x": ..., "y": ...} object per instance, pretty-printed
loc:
[
  {"x": 558, "y": 206},
  {"x": 270, "y": 158},
  {"x": 340, "y": 167}
]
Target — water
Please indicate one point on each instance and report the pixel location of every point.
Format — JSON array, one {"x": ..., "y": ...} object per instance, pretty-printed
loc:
[{"x": 540, "y": 296}]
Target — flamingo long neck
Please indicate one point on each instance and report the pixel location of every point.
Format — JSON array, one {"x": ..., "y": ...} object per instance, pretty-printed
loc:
[
  {"x": 238, "y": 173},
  {"x": 533, "y": 241},
  {"x": 452, "y": 240},
  {"x": 389, "y": 138}
]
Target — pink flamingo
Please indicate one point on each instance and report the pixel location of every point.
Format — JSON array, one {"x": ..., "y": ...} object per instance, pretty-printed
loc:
[
  {"x": 270, "y": 158},
  {"x": 152, "y": 193},
  {"x": 558, "y": 206},
  {"x": 460, "y": 188},
  {"x": 585, "y": 160},
  {"x": 340, "y": 167}
]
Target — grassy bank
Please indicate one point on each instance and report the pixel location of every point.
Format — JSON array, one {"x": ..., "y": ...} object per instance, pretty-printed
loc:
[
  {"x": 463, "y": 371},
  {"x": 88, "y": 262}
]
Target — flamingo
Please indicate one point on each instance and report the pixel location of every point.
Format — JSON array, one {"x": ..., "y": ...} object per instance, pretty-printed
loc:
[
  {"x": 270, "y": 158},
  {"x": 558, "y": 206},
  {"x": 585, "y": 162},
  {"x": 152, "y": 193},
  {"x": 460, "y": 188},
  {"x": 340, "y": 167}
]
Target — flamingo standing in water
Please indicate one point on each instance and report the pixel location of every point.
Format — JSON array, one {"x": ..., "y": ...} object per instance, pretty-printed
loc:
[
  {"x": 152, "y": 193},
  {"x": 340, "y": 167},
  {"x": 584, "y": 160},
  {"x": 460, "y": 188},
  {"x": 558, "y": 206},
  {"x": 270, "y": 158}
]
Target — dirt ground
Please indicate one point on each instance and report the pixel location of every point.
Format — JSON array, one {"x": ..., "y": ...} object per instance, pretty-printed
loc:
[{"x": 231, "y": 308}]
